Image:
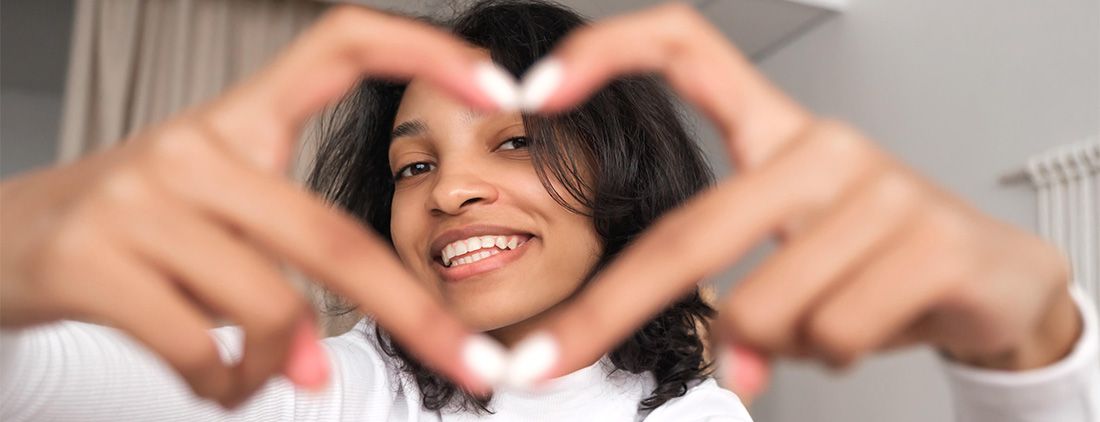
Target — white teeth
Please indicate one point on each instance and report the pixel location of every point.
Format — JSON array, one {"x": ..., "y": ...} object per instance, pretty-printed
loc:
[
  {"x": 470, "y": 248},
  {"x": 488, "y": 241},
  {"x": 448, "y": 252}
]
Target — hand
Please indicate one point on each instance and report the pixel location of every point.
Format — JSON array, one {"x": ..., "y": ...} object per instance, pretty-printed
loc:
[
  {"x": 874, "y": 256},
  {"x": 194, "y": 215}
]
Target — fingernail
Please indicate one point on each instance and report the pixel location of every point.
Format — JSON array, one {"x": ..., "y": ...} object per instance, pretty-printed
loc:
[
  {"x": 747, "y": 370},
  {"x": 540, "y": 82},
  {"x": 498, "y": 84},
  {"x": 485, "y": 358},
  {"x": 308, "y": 366},
  {"x": 532, "y": 359}
]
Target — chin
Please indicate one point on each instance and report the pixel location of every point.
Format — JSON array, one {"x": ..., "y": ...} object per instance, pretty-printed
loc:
[{"x": 484, "y": 317}]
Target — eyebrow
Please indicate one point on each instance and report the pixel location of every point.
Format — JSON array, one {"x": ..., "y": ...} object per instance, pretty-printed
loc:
[
  {"x": 416, "y": 127},
  {"x": 410, "y": 128}
]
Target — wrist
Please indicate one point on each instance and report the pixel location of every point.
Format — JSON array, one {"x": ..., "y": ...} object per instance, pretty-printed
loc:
[{"x": 1050, "y": 341}]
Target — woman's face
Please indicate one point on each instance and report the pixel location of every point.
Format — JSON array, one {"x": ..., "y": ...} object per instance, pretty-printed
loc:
[{"x": 471, "y": 219}]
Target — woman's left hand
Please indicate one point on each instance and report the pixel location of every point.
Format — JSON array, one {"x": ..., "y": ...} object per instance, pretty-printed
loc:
[{"x": 873, "y": 255}]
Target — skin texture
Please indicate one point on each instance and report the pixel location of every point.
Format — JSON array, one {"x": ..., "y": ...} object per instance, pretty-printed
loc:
[
  {"x": 475, "y": 177},
  {"x": 89, "y": 239},
  {"x": 864, "y": 235}
]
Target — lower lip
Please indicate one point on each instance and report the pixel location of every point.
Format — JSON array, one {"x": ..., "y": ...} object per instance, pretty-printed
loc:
[{"x": 461, "y": 272}]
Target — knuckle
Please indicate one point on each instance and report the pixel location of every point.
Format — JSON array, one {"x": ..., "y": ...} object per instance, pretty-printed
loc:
[
  {"x": 946, "y": 233},
  {"x": 64, "y": 250},
  {"x": 751, "y": 325},
  {"x": 178, "y": 152},
  {"x": 593, "y": 319},
  {"x": 278, "y": 312},
  {"x": 197, "y": 362},
  {"x": 342, "y": 244},
  {"x": 894, "y": 193},
  {"x": 678, "y": 24},
  {"x": 680, "y": 14},
  {"x": 834, "y": 340},
  {"x": 837, "y": 142},
  {"x": 125, "y": 187},
  {"x": 344, "y": 19}
]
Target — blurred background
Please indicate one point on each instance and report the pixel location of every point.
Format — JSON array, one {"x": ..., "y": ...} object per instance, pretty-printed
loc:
[{"x": 967, "y": 92}]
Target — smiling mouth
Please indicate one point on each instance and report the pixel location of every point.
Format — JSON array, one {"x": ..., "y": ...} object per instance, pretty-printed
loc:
[
  {"x": 476, "y": 248},
  {"x": 480, "y": 254}
]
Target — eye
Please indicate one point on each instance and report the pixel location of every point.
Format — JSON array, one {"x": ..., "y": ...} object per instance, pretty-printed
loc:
[
  {"x": 413, "y": 170},
  {"x": 515, "y": 142}
]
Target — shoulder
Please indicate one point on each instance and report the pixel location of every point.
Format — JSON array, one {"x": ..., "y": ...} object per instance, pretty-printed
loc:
[
  {"x": 358, "y": 352},
  {"x": 357, "y": 362},
  {"x": 705, "y": 401}
]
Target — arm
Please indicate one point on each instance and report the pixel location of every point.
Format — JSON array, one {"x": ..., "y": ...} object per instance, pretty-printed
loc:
[
  {"x": 73, "y": 370},
  {"x": 89, "y": 239},
  {"x": 1068, "y": 390},
  {"x": 78, "y": 371}
]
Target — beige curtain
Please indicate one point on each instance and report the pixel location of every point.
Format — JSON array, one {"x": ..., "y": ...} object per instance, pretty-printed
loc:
[{"x": 136, "y": 62}]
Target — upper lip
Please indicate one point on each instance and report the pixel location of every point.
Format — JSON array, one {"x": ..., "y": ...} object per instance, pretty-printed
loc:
[{"x": 465, "y": 232}]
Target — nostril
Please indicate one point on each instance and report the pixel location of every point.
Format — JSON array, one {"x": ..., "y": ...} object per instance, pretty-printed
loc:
[{"x": 470, "y": 201}]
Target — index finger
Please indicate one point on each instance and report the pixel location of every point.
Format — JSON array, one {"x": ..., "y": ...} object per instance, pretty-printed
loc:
[
  {"x": 754, "y": 117},
  {"x": 261, "y": 117},
  {"x": 678, "y": 251}
]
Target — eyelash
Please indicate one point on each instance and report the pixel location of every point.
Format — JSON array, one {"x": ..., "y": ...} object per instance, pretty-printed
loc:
[{"x": 400, "y": 172}]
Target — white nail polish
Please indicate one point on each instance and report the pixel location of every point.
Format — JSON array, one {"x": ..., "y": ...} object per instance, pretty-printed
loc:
[
  {"x": 532, "y": 358},
  {"x": 498, "y": 84},
  {"x": 485, "y": 357},
  {"x": 540, "y": 82}
]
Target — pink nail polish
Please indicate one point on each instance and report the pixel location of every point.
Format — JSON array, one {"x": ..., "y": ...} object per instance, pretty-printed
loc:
[
  {"x": 749, "y": 371},
  {"x": 308, "y": 364}
]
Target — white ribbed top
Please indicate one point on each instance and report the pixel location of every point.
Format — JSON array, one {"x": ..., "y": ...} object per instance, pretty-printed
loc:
[{"x": 78, "y": 371}]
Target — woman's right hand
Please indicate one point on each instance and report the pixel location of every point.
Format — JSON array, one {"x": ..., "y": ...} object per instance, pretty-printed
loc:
[{"x": 192, "y": 218}]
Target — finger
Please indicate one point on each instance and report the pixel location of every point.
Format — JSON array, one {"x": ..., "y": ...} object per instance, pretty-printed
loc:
[
  {"x": 326, "y": 244},
  {"x": 692, "y": 242},
  {"x": 140, "y": 301},
  {"x": 754, "y": 117},
  {"x": 232, "y": 279},
  {"x": 261, "y": 117},
  {"x": 765, "y": 310},
  {"x": 887, "y": 296}
]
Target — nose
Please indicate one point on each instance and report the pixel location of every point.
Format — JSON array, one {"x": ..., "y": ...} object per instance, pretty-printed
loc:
[{"x": 458, "y": 189}]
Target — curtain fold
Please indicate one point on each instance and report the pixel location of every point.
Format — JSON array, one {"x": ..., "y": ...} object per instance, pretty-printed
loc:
[{"x": 137, "y": 62}]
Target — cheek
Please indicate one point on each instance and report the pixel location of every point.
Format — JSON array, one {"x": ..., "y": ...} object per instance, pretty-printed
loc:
[{"x": 406, "y": 225}]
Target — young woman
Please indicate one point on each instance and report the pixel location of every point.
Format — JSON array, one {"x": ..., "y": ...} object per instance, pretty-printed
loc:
[{"x": 504, "y": 223}]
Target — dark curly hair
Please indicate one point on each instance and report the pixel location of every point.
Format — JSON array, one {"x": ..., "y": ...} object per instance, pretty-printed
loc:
[{"x": 629, "y": 137}]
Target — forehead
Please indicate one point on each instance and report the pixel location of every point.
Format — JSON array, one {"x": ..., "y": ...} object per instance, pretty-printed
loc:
[
  {"x": 422, "y": 100},
  {"x": 421, "y": 97}
]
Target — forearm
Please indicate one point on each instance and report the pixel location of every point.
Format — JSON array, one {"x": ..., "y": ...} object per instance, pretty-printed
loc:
[
  {"x": 1067, "y": 389},
  {"x": 79, "y": 371}
]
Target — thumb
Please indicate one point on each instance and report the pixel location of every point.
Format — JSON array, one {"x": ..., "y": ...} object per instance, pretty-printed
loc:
[
  {"x": 744, "y": 372},
  {"x": 307, "y": 365}
]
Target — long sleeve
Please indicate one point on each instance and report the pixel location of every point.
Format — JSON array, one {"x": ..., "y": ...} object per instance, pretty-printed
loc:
[
  {"x": 78, "y": 371},
  {"x": 1066, "y": 391}
]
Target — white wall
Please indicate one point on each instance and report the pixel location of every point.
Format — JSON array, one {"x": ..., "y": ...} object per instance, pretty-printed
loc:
[
  {"x": 963, "y": 91},
  {"x": 34, "y": 42},
  {"x": 29, "y": 122}
]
